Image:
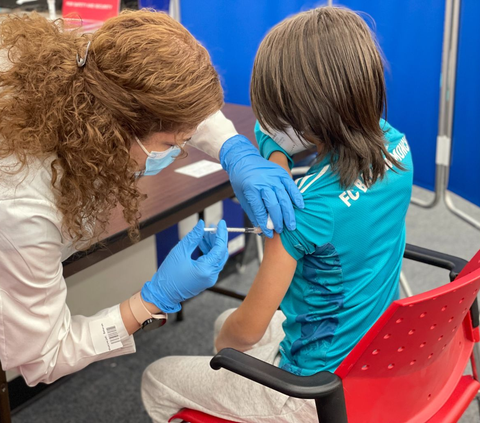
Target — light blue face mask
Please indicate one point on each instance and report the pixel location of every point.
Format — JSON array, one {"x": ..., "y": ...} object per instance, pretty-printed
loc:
[{"x": 158, "y": 160}]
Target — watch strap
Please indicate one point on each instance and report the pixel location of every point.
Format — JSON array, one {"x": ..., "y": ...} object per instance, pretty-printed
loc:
[{"x": 140, "y": 312}]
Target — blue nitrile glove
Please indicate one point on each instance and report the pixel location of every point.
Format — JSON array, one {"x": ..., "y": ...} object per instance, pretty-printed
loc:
[
  {"x": 261, "y": 186},
  {"x": 180, "y": 277},
  {"x": 208, "y": 240}
]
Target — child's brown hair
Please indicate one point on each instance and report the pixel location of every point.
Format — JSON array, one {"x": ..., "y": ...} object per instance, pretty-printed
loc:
[{"x": 321, "y": 72}]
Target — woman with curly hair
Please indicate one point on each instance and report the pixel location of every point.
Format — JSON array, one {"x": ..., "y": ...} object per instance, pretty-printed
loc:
[{"x": 81, "y": 118}]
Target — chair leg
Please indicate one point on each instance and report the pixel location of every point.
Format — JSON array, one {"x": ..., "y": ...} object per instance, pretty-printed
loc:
[
  {"x": 476, "y": 361},
  {"x": 405, "y": 286},
  {"x": 179, "y": 317},
  {"x": 242, "y": 264},
  {"x": 331, "y": 408},
  {"x": 259, "y": 241},
  {"x": 5, "y": 416}
]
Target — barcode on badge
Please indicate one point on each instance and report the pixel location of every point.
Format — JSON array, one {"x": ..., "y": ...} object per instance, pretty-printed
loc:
[
  {"x": 104, "y": 335},
  {"x": 113, "y": 335}
]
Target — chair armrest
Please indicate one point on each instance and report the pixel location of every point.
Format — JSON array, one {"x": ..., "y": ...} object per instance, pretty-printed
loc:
[
  {"x": 306, "y": 387},
  {"x": 435, "y": 258},
  {"x": 324, "y": 387}
]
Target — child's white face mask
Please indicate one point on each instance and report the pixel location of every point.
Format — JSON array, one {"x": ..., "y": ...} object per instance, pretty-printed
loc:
[{"x": 288, "y": 140}]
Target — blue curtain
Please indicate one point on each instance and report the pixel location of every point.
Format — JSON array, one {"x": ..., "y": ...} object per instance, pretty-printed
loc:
[
  {"x": 412, "y": 45},
  {"x": 232, "y": 32},
  {"x": 154, "y": 4},
  {"x": 465, "y": 167}
]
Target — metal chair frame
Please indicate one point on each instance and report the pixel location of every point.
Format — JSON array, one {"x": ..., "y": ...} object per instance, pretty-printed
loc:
[{"x": 445, "y": 116}]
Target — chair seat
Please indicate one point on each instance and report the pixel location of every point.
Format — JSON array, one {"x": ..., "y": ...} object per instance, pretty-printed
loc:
[
  {"x": 458, "y": 402},
  {"x": 194, "y": 416},
  {"x": 451, "y": 412}
]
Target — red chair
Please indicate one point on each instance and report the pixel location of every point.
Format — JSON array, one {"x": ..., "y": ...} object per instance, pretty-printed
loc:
[{"x": 407, "y": 368}]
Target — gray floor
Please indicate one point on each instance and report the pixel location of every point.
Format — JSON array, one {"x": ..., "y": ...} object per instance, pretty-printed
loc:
[{"x": 109, "y": 391}]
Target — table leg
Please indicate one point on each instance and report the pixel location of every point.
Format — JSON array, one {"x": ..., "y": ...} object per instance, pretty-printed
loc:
[{"x": 4, "y": 400}]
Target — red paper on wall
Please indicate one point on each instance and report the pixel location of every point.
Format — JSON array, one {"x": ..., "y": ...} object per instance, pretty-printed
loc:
[{"x": 91, "y": 10}]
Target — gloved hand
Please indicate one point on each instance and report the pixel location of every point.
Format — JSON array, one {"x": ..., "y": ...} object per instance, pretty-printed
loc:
[
  {"x": 260, "y": 186},
  {"x": 180, "y": 277},
  {"x": 208, "y": 241}
]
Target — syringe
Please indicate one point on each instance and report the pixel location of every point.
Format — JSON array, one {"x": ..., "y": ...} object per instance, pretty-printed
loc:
[{"x": 243, "y": 230}]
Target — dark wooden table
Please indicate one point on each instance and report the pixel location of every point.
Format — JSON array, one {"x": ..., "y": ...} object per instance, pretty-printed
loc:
[{"x": 171, "y": 198}]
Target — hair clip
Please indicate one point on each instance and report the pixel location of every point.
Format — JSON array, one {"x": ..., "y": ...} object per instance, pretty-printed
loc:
[{"x": 82, "y": 60}]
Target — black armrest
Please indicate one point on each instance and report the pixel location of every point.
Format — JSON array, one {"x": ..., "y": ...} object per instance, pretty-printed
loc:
[
  {"x": 307, "y": 387},
  {"x": 435, "y": 258},
  {"x": 323, "y": 385}
]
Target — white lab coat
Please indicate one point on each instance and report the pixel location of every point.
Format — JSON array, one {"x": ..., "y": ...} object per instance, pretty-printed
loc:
[{"x": 38, "y": 335}]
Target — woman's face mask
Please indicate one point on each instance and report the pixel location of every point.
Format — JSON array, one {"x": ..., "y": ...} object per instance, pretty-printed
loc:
[{"x": 158, "y": 160}]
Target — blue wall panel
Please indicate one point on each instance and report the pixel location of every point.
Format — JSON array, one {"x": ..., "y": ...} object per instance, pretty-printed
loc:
[
  {"x": 465, "y": 169},
  {"x": 410, "y": 33},
  {"x": 232, "y": 32},
  {"x": 155, "y": 4}
]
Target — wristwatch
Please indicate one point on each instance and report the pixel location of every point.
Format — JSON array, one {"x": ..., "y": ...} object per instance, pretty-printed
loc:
[{"x": 143, "y": 316}]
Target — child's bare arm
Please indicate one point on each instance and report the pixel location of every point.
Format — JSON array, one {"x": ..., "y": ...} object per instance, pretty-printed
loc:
[
  {"x": 279, "y": 158},
  {"x": 246, "y": 325}
]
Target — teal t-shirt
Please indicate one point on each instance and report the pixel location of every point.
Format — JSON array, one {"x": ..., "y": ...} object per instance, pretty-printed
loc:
[{"x": 349, "y": 246}]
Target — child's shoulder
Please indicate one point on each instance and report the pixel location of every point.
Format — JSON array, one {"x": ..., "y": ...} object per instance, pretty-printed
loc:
[
  {"x": 320, "y": 180},
  {"x": 391, "y": 134},
  {"x": 397, "y": 143}
]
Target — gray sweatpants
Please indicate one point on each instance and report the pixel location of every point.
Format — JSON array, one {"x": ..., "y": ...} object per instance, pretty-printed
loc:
[{"x": 172, "y": 383}]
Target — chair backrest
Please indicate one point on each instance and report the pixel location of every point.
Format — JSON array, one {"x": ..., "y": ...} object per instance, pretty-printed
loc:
[
  {"x": 471, "y": 266},
  {"x": 409, "y": 363}
]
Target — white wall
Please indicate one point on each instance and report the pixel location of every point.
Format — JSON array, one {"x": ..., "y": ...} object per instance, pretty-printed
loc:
[{"x": 112, "y": 280}]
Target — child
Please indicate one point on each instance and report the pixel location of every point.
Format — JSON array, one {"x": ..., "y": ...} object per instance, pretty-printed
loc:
[{"x": 320, "y": 73}]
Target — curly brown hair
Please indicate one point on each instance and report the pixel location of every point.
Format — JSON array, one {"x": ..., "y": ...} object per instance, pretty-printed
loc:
[{"x": 145, "y": 73}]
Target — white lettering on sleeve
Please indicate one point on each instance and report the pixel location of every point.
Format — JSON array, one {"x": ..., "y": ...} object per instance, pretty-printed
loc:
[
  {"x": 360, "y": 185},
  {"x": 401, "y": 150},
  {"x": 352, "y": 196},
  {"x": 348, "y": 195},
  {"x": 344, "y": 198}
]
